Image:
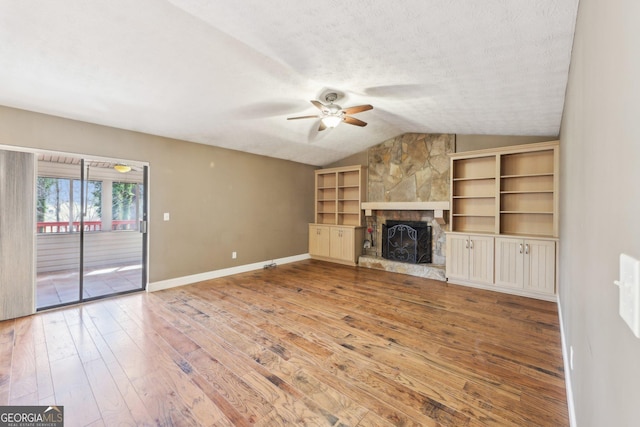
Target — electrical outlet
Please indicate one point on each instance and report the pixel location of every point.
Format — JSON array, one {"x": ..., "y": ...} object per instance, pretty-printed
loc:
[
  {"x": 234, "y": 255},
  {"x": 166, "y": 216},
  {"x": 629, "y": 284}
]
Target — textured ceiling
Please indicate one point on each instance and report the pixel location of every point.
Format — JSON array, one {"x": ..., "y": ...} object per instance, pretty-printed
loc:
[{"x": 229, "y": 73}]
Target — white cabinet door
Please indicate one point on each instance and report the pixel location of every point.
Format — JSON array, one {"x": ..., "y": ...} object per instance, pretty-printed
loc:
[
  {"x": 526, "y": 264},
  {"x": 510, "y": 262},
  {"x": 481, "y": 259},
  {"x": 470, "y": 257},
  {"x": 457, "y": 265},
  {"x": 539, "y": 265}
]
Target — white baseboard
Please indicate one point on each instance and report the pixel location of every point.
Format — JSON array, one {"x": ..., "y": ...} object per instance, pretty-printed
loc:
[
  {"x": 567, "y": 371},
  {"x": 194, "y": 278}
]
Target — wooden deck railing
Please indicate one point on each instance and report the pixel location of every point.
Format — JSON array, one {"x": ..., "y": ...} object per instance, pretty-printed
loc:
[{"x": 67, "y": 227}]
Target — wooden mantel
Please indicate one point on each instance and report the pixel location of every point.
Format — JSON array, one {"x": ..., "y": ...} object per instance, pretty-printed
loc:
[{"x": 438, "y": 208}]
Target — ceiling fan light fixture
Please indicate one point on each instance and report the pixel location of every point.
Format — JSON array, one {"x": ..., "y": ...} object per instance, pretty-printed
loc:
[
  {"x": 331, "y": 115},
  {"x": 331, "y": 121},
  {"x": 122, "y": 168}
]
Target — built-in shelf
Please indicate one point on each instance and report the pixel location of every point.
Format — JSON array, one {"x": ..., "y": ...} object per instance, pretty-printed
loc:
[
  {"x": 527, "y": 192},
  {"x": 480, "y": 215},
  {"x": 527, "y": 212},
  {"x": 475, "y": 197}
]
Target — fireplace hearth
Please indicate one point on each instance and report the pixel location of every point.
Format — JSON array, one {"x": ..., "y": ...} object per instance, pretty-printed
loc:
[{"x": 406, "y": 241}]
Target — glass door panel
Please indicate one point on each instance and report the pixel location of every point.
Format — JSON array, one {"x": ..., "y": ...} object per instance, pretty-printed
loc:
[
  {"x": 57, "y": 232},
  {"x": 112, "y": 255}
]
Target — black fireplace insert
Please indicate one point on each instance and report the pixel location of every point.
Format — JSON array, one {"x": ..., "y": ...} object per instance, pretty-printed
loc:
[{"x": 407, "y": 241}]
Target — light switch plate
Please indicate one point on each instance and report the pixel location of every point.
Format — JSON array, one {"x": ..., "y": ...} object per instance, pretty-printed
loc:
[
  {"x": 629, "y": 284},
  {"x": 166, "y": 216}
]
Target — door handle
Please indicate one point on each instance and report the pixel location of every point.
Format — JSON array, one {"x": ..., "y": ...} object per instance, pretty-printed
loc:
[
  {"x": 466, "y": 244},
  {"x": 526, "y": 249},
  {"x": 143, "y": 226},
  {"x": 520, "y": 247},
  {"x": 470, "y": 244}
]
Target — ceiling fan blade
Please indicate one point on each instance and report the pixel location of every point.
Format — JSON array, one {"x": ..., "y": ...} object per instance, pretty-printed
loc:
[
  {"x": 354, "y": 121},
  {"x": 322, "y": 126},
  {"x": 318, "y": 105},
  {"x": 357, "y": 109},
  {"x": 302, "y": 117}
]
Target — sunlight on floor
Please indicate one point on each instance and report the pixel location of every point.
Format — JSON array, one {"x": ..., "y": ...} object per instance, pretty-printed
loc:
[{"x": 63, "y": 287}]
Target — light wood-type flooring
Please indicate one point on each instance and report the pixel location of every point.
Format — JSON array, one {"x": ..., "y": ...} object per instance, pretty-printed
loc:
[{"x": 308, "y": 343}]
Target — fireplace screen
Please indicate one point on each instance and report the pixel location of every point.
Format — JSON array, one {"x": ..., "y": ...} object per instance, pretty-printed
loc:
[{"x": 407, "y": 241}]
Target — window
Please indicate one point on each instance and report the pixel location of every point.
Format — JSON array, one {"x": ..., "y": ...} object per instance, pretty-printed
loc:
[
  {"x": 58, "y": 205},
  {"x": 126, "y": 205}
]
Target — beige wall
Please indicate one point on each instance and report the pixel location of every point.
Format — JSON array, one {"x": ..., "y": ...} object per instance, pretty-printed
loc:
[
  {"x": 219, "y": 200},
  {"x": 600, "y": 209},
  {"x": 360, "y": 158},
  {"x": 480, "y": 142}
]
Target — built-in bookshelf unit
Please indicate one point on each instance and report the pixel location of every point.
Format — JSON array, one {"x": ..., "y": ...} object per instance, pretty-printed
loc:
[
  {"x": 474, "y": 194},
  {"x": 527, "y": 193},
  {"x": 326, "y": 198},
  {"x": 337, "y": 233},
  {"x": 339, "y": 192},
  {"x": 509, "y": 196},
  {"x": 511, "y": 190}
]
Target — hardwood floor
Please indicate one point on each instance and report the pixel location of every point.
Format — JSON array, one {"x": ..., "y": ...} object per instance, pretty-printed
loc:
[{"x": 308, "y": 343}]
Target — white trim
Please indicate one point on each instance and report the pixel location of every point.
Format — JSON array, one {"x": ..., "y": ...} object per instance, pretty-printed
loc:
[
  {"x": 194, "y": 278},
  {"x": 567, "y": 372}
]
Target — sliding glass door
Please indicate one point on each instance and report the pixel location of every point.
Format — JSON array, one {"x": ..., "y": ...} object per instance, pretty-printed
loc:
[{"x": 91, "y": 230}]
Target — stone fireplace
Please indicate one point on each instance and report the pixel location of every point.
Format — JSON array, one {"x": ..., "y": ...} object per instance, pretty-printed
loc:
[{"x": 408, "y": 181}]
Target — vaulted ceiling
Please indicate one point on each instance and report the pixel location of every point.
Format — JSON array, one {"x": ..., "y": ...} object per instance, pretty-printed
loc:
[{"x": 229, "y": 73}]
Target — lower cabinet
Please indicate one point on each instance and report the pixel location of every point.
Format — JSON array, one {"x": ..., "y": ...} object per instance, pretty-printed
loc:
[
  {"x": 522, "y": 266},
  {"x": 470, "y": 257},
  {"x": 527, "y": 264},
  {"x": 319, "y": 240},
  {"x": 336, "y": 243},
  {"x": 342, "y": 243}
]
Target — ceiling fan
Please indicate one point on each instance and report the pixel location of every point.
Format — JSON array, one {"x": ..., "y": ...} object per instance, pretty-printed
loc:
[{"x": 332, "y": 115}]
